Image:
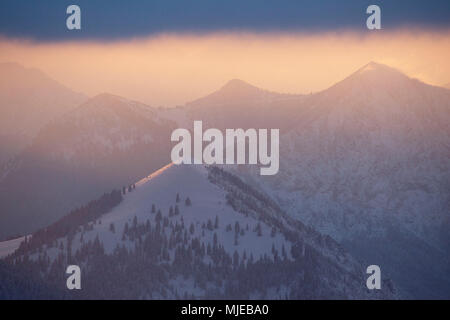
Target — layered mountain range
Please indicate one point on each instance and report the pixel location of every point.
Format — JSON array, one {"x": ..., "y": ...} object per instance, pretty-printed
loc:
[
  {"x": 105, "y": 143},
  {"x": 364, "y": 167}
]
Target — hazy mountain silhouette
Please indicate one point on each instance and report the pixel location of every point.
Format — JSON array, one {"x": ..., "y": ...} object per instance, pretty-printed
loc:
[
  {"x": 103, "y": 144},
  {"x": 365, "y": 161},
  {"x": 28, "y": 100},
  {"x": 197, "y": 232},
  {"x": 240, "y": 105}
]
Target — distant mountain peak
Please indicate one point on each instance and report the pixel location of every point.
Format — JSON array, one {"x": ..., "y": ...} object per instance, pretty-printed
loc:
[
  {"x": 29, "y": 99},
  {"x": 104, "y": 96},
  {"x": 373, "y": 76},
  {"x": 112, "y": 111},
  {"x": 371, "y": 66},
  {"x": 374, "y": 64},
  {"x": 237, "y": 84},
  {"x": 234, "y": 90},
  {"x": 237, "y": 87},
  {"x": 378, "y": 68},
  {"x": 108, "y": 100},
  {"x": 10, "y": 65},
  {"x": 105, "y": 104},
  {"x": 15, "y": 76},
  {"x": 379, "y": 71}
]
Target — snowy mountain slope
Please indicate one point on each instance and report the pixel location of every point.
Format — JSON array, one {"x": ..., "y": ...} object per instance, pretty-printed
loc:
[
  {"x": 9, "y": 246},
  {"x": 109, "y": 141},
  {"x": 227, "y": 241},
  {"x": 379, "y": 141},
  {"x": 105, "y": 143},
  {"x": 369, "y": 164},
  {"x": 29, "y": 99},
  {"x": 20, "y": 284}
]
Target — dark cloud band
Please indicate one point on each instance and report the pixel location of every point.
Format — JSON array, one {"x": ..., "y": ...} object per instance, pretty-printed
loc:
[{"x": 115, "y": 19}]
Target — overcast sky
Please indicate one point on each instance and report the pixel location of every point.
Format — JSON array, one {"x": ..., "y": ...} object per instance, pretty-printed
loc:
[
  {"x": 168, "y": 52},
  {"x": 117, "y": 19}
]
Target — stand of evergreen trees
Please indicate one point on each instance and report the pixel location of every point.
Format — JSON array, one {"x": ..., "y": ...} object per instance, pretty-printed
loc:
[{"x": 69, "y": 224}]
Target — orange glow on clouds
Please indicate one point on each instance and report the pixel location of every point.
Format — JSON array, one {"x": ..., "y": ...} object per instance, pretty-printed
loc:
[{"x": 173, "y": 69}]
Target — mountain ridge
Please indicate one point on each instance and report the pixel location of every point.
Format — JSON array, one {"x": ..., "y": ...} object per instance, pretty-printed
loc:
[
  {"x": 209, "y": 219},
  {"x": 29, "y": 99}
]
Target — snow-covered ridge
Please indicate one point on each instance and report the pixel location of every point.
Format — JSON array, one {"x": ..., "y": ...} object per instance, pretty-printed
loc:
[{"x": 203, "y": 217}]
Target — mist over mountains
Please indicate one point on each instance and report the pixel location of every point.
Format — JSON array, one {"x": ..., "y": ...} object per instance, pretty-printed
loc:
[
  {"x": 105, "y": 143},
  {"x": 364, "y": 170},
  {"x": 29, "y": 100},
  {"x": 241, "y": 105}
]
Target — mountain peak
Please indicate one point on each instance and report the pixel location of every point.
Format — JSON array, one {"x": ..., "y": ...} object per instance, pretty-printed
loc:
[
  {"x": 374, "y": 67},
  {"x": 374, "y": 64},
  {"x": 108, "y": 100},
  {"x": 234, "y": 91},
  {"x": 107, "y": 103},
  {"x": 10, "y": 65},
  {"x": 373, "y": 75},
  {"x": 237, "y": 83},
  {"x": 371, "y": 66},
  {"x": 237, "y": 86},
  {"x": 14, "y": 75},
  {"x": 105, "y": 97}
]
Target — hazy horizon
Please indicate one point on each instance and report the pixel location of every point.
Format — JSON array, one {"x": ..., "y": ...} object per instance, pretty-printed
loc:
[{"x": 173, "y": 69}]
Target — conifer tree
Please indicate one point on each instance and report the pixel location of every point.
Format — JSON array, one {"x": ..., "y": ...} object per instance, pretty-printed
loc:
[
  {"x": 216, "y": 223},
  {"x": 158, "y": 216},
  {"x": 258, "y": 230}
]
